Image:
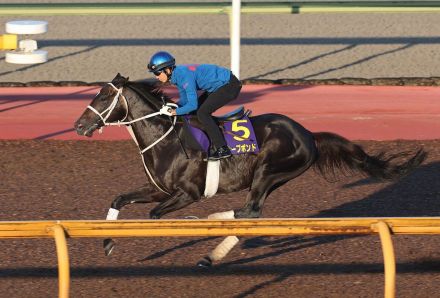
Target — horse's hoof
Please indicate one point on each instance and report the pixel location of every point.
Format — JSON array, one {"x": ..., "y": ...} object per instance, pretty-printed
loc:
[
  {"x": 109, "y": 245},
  {"x": 206, "y": 262}
]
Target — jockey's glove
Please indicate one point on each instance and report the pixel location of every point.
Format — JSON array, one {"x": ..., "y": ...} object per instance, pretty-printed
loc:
[
  {"x": 171, "y": 104},
  {"x": 165, "y": 110}
]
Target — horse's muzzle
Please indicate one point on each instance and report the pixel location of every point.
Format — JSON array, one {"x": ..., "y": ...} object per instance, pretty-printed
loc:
[{"x": 84, "y": 130}]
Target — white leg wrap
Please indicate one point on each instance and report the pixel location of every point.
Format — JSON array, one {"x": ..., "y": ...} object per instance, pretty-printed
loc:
[
  {"x": 223, "y": 248},
  {"x": 222, "y": 215},
  {"x": 212, "y": 178},
  {"x": 112, "y": 214}
]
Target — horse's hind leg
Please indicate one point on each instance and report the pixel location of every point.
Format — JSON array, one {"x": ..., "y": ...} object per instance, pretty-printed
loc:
[
  {"x": 264, "y": 183},
  {"x": 262, "y": 186},
  {"x": 178, "y": 200},
  {"x": 144, "y": 194},
  {"x": 224, "y": 247}
]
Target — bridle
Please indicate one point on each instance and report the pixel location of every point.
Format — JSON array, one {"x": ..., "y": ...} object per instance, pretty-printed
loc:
[
  {"x": 106, "y": 114},
  {"x": 112, "y": 106}
]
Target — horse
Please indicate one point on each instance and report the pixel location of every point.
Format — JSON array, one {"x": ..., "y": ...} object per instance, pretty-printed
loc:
[{"x": 177, "y": 177}]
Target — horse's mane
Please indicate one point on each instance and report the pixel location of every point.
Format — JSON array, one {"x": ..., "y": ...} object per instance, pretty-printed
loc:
[{"x": 149, "y": 91}]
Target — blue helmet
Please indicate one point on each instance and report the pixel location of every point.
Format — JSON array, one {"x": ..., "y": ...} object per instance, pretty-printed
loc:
[{"x": 160, "y": 61}]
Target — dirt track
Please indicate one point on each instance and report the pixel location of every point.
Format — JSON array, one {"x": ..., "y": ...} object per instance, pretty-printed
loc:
[{"x": 47, "y": 180}]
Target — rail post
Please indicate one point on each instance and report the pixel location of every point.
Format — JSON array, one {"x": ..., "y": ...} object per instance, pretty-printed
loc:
[
  {"x": 388, "y": 257},
  {"x": 63, "y": 260}
]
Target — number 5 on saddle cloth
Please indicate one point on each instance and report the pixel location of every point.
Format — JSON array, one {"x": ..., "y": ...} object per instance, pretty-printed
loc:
[{"x": 237, "y": 130}]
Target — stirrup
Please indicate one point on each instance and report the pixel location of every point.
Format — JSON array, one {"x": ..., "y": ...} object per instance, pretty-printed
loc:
[{"x": 220, "y": 153}]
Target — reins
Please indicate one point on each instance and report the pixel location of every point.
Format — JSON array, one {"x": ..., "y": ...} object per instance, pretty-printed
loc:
[{"x": 110, "y": 109}]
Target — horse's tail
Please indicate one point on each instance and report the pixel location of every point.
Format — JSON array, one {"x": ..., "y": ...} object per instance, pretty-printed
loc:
[{"x": 338, "y": 153}]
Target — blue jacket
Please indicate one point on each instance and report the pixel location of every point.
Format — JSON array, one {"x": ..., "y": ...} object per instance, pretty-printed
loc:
[{"x": 190, "y": 78}]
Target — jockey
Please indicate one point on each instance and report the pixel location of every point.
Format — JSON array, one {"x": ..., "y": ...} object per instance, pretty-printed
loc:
[{"x": 220, "y": 86}]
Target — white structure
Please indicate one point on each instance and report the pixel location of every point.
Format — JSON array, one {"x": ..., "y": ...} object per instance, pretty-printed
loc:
[
  {"x": 27, "y": 52},
  {"x": 235, "y": 37}
]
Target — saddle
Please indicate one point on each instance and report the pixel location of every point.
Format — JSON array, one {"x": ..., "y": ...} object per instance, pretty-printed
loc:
[{"x": 235, "y": 125}]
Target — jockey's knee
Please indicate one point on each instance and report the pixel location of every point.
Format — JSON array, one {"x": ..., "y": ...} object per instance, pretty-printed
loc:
[{"x": 202, "y": 114}]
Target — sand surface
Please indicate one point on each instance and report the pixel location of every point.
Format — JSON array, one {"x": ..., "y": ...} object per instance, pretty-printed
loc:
[{"x": 304, "y": 46}]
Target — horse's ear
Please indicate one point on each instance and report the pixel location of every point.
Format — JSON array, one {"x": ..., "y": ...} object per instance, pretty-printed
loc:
[
  {"x": 119, "y": 81},
  {"x": 116, "y": 78},
  {"x": 124, "y": 80}
]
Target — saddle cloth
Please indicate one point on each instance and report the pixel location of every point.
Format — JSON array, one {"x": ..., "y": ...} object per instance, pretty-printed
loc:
[{"x": 238, "y": 132}]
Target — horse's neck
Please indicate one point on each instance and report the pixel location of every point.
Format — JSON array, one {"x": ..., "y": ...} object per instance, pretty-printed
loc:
[{"x": 146, "y": 131}]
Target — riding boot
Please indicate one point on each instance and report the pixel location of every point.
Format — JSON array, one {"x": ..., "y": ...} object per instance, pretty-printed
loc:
[{"x": 220, "y": 153}]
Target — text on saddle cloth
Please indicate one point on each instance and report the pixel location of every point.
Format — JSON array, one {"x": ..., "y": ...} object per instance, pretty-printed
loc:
[{"x": 239, "y": 135}]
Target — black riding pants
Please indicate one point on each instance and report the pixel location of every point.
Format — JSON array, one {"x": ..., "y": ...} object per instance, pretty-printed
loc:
[{"x": 210, "y": 102}]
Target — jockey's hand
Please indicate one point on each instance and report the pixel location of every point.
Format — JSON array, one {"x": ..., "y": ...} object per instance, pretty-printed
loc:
[
  {"x": 173, "y": 107},
  {"x": 165, "y": 110}
]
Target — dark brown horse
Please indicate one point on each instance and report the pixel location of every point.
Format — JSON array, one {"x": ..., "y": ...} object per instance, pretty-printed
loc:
[{"x": 175, "y": 181}]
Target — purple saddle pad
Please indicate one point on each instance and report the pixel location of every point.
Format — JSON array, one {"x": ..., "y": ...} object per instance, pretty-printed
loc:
[{"x": 239, "y": 136}]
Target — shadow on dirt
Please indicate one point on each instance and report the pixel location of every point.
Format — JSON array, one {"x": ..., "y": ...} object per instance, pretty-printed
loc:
[
  {"x": 161, "y": 253},
  {"x": 419, "y": 266},
  {"x": 413, "y": 196}
]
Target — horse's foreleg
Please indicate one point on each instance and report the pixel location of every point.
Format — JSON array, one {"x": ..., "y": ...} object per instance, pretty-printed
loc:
[
  {"x": 144, "y": 194},
  {"x": 224, "y": 247}
]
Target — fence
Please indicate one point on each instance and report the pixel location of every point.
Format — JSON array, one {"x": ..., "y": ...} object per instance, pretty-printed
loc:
[
  {"x": 216, "y": 7},
  {"x": 182, "y": 228}
]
